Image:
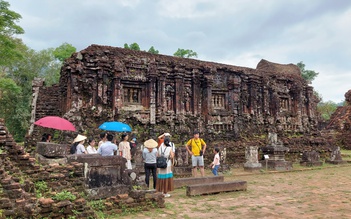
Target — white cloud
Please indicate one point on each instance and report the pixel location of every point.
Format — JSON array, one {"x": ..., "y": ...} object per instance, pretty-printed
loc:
[{"x": 236, "y": 32}]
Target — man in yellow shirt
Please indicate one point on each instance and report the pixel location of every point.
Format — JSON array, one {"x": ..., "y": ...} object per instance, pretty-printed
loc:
[{"x": 198, "y": 148}]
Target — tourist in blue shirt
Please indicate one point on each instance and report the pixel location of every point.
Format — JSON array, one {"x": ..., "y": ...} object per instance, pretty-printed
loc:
[{"x": 108, "y": 148}]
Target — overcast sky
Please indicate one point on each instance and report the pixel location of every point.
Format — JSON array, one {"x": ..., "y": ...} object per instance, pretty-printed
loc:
[{"x": 236, "y": 32}]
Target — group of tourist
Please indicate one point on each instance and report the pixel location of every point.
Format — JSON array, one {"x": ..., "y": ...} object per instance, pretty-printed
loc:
[
  {"x": 107, "y": 146},
  {"x": 162, "y": 177}
]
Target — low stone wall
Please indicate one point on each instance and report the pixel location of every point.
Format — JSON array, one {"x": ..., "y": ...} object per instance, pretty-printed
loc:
[
  {"x": 104, "y": 176},
  {"x": 29, "y": 189}
]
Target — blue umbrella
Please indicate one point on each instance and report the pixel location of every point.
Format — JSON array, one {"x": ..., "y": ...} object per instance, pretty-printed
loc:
[{"x": 115, "y": 127}]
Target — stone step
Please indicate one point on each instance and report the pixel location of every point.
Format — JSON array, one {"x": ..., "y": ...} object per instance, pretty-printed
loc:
[
  {"x": 210, "y": 188},
  {"x": 181, "y": 182}
]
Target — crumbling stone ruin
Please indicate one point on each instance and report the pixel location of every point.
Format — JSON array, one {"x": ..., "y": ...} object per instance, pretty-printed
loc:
[
  {"x": 339, "y": 127},
  {"x": 230, "y": 105},
  {"x": 29, "y": 189},
  {"x": 310, "y": 158}
]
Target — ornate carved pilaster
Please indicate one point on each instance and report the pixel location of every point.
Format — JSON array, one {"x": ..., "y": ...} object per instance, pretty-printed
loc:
[
  {"x": 207, "y": 97},
  {"x": 161, "y": 95},
  {"x": 152, "y": 89},
  {"x": 117, "y": 102},
  {"x": 179, "y": 93},
  {"x": 196, "y": 91}
]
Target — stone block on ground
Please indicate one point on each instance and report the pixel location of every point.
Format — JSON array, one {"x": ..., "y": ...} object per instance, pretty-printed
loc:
[
  {"x": 211, "y": 188},
  {"x": 180, "y": 182}
]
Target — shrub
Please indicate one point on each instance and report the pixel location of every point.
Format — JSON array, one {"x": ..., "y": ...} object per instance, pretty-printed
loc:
[{"x": 64, "y": 195}]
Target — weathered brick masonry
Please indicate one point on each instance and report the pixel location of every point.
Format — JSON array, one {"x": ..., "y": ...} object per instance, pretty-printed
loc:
[
  {"x": 20, "y": 196},
  {"x": 339, "y": 126},
  {"x": 158, "y": 93}
]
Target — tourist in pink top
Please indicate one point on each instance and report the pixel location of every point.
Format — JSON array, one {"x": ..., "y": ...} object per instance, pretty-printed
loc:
[
  {"x": 215, "y": 164},
  {"x": 124, "y": 150}
]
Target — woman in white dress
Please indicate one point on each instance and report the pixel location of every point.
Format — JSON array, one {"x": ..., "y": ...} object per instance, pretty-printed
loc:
[
  {"x": 124, "y": 150},
  {"x": 91, "y": 147},
  {"x": 165, "y": 175}
]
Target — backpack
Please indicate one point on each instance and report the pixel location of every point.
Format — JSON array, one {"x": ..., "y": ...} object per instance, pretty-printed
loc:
[
  {"x": 73, "y": 148},
  {"x": 161, "y": 161}
]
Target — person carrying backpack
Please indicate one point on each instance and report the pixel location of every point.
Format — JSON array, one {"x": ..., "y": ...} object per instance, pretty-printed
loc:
[{"x": 165, "y": 175}]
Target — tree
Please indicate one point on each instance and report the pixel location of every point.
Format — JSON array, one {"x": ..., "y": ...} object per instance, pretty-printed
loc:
[
  {"x": 22, "y": 72},
  {"x": 133, "y": 46},
  {"x": 308, "y": 75},
  {"x": 185, "y": 53},
  {"x": 153, "y": 50},
  {"x": 326, "y": 109},
  {"x": 9, "y": 50},
  {"x": 12, "y": 109},
  {"x": 64, "y": 51},
  {"x": 126, "y": 46}
]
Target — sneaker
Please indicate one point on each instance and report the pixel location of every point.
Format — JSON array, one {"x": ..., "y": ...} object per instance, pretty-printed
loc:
[{"x": 167, "y": 195}]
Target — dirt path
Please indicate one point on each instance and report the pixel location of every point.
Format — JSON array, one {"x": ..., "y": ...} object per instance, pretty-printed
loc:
[{"x": 319, "y": 193}]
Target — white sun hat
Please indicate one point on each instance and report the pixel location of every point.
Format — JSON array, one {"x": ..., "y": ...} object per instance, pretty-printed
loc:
[
  {"x": 151, "y": 143},
  {"x": 79, "y": 138}
]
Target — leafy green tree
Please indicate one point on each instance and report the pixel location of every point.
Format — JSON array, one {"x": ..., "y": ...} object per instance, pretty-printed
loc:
[
  {"x": 8, "y": 43},
  {"x": 308, "y": 75},
  {"x": 37, "y": 64},
  {"x": 153, "y": 50},
  {"x": 22, "y": 72},
  {"x": 185, "y": 53},
  {"x": 12, "y": 109},
  {"x": 342, "y": 103},
  {"x": 126, "y": 46},
  {"x": 133, "y": 46},
  {"x": 64, "y": 51},
  {"x": 326, "y": 109}
]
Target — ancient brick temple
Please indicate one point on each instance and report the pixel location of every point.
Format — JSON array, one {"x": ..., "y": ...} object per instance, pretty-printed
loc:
[
  {"x": 186, "y": 94},
  {"x": 158, "y": 93}
]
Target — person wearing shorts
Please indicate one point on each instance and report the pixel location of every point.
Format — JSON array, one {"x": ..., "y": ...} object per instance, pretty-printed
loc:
[{"x": 198, "y": 148}]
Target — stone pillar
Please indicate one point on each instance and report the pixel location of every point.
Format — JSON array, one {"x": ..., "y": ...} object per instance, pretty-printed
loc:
[
  {"x": 36, "y": 85},
  {"x": 116, "y": 94},
  {"x": 161, "y": 95},
  {"x": 251, "y": 155},
  {"x": 335, "y": 156},
  {"x": 179, "y": 85},
  {"x": 152, "y": 87},
  {"x": 207, "y": 97},
  {"x": 196, "y": 98}
]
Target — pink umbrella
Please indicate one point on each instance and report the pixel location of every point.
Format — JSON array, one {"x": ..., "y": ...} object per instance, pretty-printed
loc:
[{"x": 55, "y": 122}]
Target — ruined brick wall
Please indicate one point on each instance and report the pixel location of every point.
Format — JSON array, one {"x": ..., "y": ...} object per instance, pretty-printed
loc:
[
  {"x": 161, "y": 92},
  {"x": 158, "y": 93},
  {"x": 339, "y": 126},
  {"x": 46, "y": 102},
  {"x": 21, "y": 198},
  {"x": 19, "y": 172}
]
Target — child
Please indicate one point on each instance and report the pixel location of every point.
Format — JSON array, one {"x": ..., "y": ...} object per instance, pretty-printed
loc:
[{"x": 215, "y": 163}]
